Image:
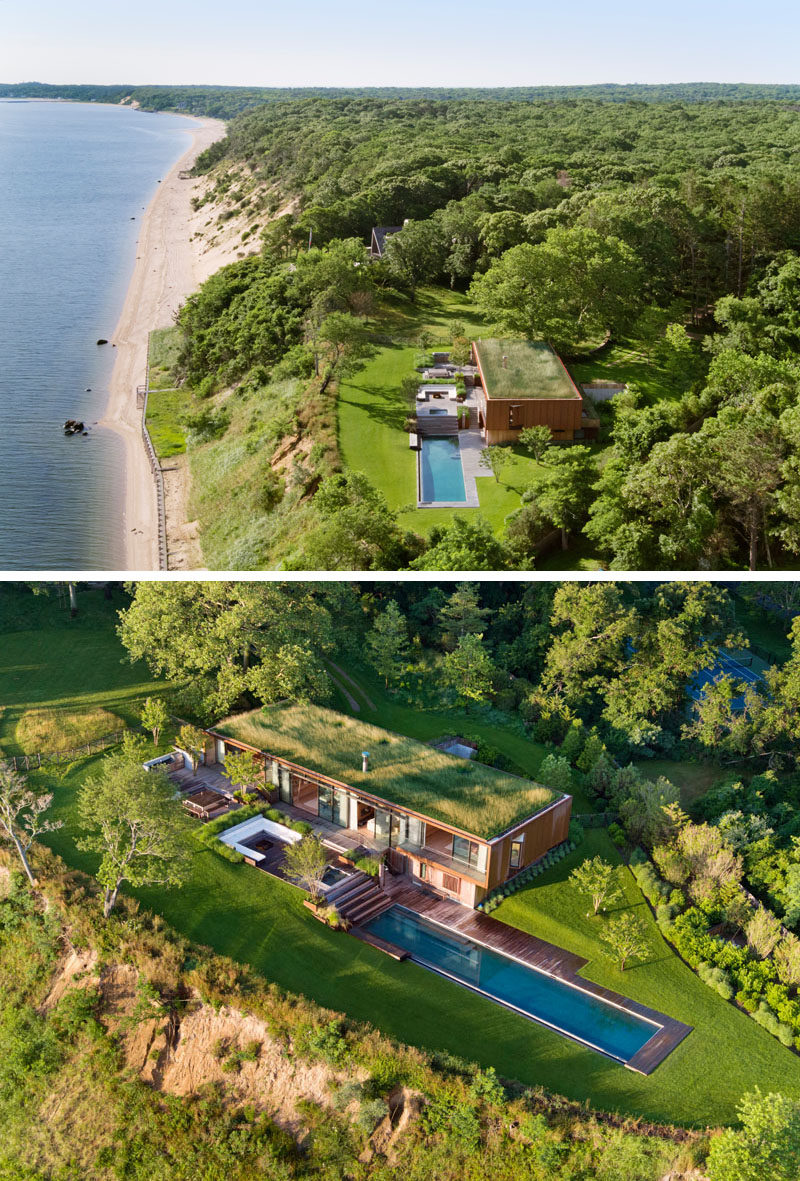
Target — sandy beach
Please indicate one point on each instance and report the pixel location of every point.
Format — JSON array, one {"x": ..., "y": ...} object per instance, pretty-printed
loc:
[{"x": 170, "y": 264}]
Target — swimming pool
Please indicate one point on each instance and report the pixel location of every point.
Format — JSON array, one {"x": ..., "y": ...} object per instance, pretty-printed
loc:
[
  {"x": 441, "y": 476},
  {"x": 564, "y": 1007}
]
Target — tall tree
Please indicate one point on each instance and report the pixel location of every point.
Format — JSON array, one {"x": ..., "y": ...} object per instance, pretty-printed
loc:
[
  {"x": 387, "y": 641},
  {"x": 468, "y": 670},
  {"x": 22, "y": 817},
  {"x": 565, "y": 493},
  {"x": 572, "y": 288},
  {"x": 462, "y": 613},
  {"x": 215, "y": 634},
  {"x": 131, "y": 820},
  {"x": 767, "y": 1145}
]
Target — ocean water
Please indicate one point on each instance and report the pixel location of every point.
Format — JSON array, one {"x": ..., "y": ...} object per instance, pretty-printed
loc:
[{"x": 72, "y": 176}]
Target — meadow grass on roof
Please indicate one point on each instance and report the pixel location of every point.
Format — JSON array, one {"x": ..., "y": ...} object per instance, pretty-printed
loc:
[
  {"x": 533, "y": 370},
  {"x": 467, "y": 795}
]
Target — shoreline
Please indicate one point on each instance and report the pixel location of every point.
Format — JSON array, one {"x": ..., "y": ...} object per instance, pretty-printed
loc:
[{"x": 168, "y": 268}]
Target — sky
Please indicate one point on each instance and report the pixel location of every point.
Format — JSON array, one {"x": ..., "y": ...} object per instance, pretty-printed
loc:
[{"x": 413, "y": 43}]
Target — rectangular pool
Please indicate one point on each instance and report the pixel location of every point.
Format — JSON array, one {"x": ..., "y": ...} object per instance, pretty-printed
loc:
[
  {"x": 441, "y": 476},
  {"x": 548, "y": 1000}
]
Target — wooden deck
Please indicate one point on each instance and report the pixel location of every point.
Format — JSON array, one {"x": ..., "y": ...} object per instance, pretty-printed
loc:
[{"x": 498, "y": 936}]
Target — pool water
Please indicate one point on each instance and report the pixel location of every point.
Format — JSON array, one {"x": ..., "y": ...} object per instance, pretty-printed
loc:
[
  {"x": 440, "y": 471},
  {"x": 571, "y": 1011}
]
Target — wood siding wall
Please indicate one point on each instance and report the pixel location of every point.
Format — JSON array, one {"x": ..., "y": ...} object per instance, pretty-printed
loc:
[
  {"x": 562, "y": 415},
  {"x": 540, "y": 833}
]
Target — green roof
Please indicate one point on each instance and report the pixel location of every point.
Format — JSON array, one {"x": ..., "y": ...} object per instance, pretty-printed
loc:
[
  {"x": 467, "y": 795},
  {"x": 532, "y": 370}
]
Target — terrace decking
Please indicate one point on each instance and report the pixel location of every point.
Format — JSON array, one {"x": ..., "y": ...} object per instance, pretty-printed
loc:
[
  {"x": 546, "y": 957},
  {"x": 333, "y": 836}
]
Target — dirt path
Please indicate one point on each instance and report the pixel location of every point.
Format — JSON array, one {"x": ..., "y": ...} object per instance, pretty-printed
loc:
[{"x": 355, "y": 685}]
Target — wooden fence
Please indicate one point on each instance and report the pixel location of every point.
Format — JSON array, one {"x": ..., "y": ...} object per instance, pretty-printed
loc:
[
  {"x": 142, "y": 393},
  {"x": 45, "y": 759}
]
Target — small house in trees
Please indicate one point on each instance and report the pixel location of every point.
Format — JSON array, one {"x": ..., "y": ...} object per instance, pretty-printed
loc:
[
  {"x": 524, "y": 383},
  {"x": 379, "y": 236},
  {"x": 451, "y": 825}
]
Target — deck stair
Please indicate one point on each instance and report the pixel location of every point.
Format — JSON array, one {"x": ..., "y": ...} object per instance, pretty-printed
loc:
[
  {"x": 437, "y": 425},
  {"x": 359, "y": 898}
]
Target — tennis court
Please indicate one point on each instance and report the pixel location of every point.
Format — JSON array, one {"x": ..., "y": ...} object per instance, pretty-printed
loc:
[{"x": 727, "y": 665}]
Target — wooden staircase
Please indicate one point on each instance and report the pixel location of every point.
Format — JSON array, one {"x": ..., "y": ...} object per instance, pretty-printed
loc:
[
  {"x": 358, "y": 898},
  {"x": 437, "y": 424}
]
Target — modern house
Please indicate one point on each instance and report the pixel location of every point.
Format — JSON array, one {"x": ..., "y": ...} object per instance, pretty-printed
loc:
[
  {"x": 523, "y": 383},
  {"x": 455, "y": 826},
  {"x": 379, "y": 236}
]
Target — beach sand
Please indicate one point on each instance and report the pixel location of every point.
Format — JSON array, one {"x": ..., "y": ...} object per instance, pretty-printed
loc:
[{"x": 171, "y": 263}]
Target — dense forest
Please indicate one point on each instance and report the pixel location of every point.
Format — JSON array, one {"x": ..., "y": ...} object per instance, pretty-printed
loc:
[
  {"x": 668, "y": 227},
  {"x": 224, "y": 102}
]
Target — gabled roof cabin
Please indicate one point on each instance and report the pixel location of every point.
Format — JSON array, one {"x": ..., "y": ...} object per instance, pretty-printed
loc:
[{"x": 379, "y": 236}]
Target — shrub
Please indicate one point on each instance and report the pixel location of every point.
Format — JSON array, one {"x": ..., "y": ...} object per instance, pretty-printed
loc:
[
  {"x": 575, "y": 832},
  {"x": 326, "y": 1042},
  {"x": 371, "y": 1113},
  {"x": 346, "y": 1094},
  {"x": 617, "y": 833}
]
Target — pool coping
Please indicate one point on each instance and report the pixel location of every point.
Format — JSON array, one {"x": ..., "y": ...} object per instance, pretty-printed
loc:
[
  {"x": 668, "y": 1034},
  {"x": 470, "y": 487}
]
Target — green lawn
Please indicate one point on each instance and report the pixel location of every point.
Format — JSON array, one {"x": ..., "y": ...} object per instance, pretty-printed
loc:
[
  {"x": 261, "y": 921},
  {"x": 371, "y": 413},
  {"x": 631, "y": 362},
  {"x": 65, "y": 663},
  {"x": 238, "y": 911},
  {"x": 692, "y": 779},
  {"x": 166, "y": 406}
]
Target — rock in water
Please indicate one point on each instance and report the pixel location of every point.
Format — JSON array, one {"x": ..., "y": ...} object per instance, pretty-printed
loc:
[
  {"x": 74, "y": 426},
  {"x": 102, "y": 340}
]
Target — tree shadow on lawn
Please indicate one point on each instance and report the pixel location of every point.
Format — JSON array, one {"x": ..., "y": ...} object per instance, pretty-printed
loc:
[{"x": 380, "y": 407}]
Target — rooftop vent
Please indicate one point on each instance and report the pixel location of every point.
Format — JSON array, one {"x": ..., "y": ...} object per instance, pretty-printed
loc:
[{"x": 365, "y": 761}]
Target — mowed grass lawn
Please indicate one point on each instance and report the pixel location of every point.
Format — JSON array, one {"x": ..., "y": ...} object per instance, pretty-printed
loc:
[
  {"x": 260, "y": 921},
  {"x": 76, "y": 666}
]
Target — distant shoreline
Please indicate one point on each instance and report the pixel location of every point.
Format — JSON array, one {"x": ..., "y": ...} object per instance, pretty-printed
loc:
[{"x": 168, "y": 268}]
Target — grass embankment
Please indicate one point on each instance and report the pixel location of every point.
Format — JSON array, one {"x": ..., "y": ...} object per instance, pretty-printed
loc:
[
  {"x": 255, "y": 453},
  {"x": 261, "y": 921}
]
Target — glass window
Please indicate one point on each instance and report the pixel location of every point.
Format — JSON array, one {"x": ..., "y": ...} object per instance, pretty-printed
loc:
[
  {"x": 383, "y": 824},
  {"x": 284, "y": 784},
  {"x": 461, "y": 849},
  {"x": 325, "y": 799},
  {"x": 423, "y": 870},
  {"x": 416, "y": 831},
  {"x": 515, "y": 860},
  {"x": 341, "y": 808}
]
